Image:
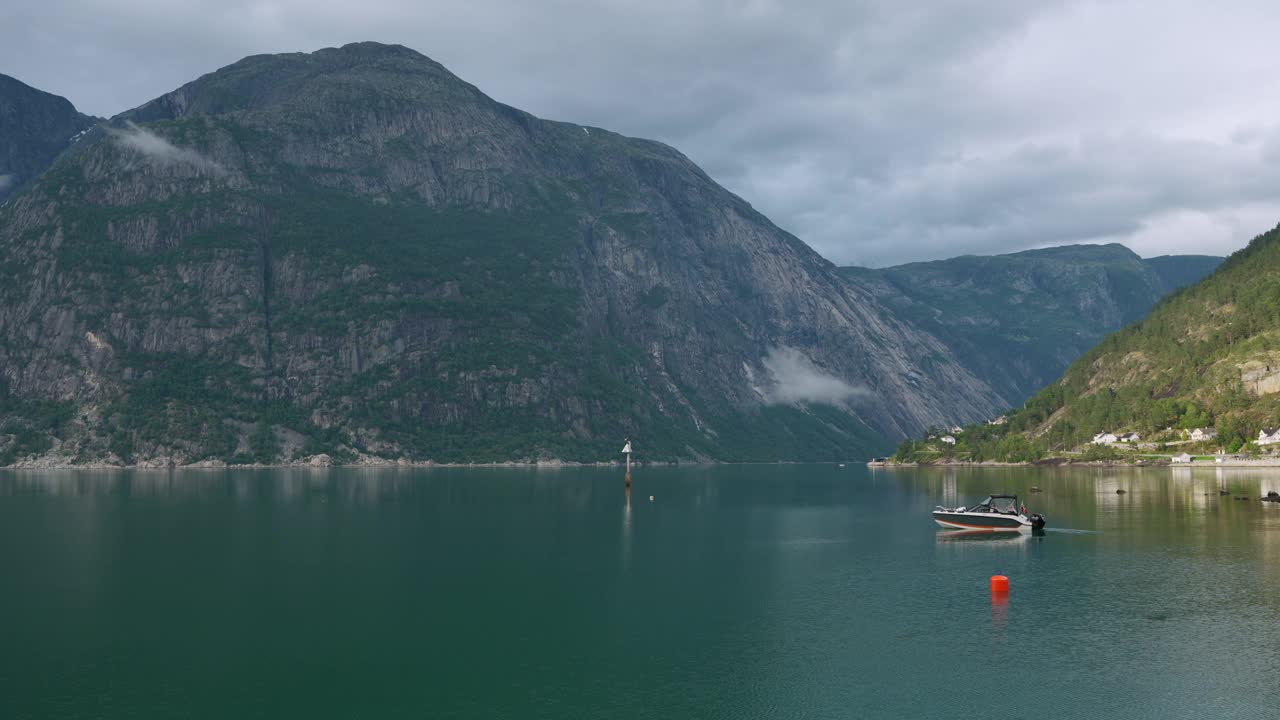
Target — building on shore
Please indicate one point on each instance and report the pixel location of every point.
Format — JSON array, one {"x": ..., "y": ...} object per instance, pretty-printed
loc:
[{"x": 1199, "y": 434}]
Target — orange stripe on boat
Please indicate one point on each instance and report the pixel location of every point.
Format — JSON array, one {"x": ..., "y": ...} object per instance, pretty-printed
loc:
[{"x": 982, "y": 527}]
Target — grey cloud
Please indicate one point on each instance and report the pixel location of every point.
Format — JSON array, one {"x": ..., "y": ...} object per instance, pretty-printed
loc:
[
  {"x": 160, "y": 151},
  {"x": 5, "y": 182},
  {"x": 1099, "y": 188},
  {"x": 878, "y": 131},
  {"x": 795, "y": 378}
]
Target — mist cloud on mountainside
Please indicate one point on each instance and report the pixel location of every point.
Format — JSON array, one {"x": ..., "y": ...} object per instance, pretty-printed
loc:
[
  {"x": 797, "y": 379},
  {"x": 5, "y": 182},
  {"x": 160, "y": 151}
]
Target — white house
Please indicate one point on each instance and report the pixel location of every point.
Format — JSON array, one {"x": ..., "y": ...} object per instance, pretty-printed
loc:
[
  {"x": 1183, "y": 458},
  {"x": 998, "y": 421},
  {"x": 1129, "y": 438},
  {"x": 1104, "y": 438},
  {"x": 948, "y": 439},
  {"x": 1268, "y": 436},
  {"x": 1202, "y": 434},
  {"x": 957, "y": 430}
]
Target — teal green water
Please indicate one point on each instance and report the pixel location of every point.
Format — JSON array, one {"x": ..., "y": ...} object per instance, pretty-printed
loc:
[{"x": 739, "y": 592}]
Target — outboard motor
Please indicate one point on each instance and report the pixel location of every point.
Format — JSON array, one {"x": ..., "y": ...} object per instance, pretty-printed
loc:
[{"x": 1037, "y": 521}]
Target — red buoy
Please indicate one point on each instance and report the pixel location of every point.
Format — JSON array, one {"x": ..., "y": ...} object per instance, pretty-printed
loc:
[{"x": 999, "y": 584}]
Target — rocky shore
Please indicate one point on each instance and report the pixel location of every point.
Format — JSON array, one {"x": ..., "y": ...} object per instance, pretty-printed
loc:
[{"x": 54, "y": 462}]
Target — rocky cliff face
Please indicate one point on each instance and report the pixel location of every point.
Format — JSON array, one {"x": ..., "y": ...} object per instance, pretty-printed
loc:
[
  {"x": 353, "y": 252},
  {"x": 34, "y": 127},
  {"x": 1017, "y": 321}
]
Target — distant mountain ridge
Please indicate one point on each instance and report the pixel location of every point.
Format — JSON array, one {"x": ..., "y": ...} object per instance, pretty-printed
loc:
[
  {"x": 1018, "y": 320},
  {"x": 1177, "y": 271},
  {"x": 35, "y": 126},
  {"x": 1207, "y": 356},
  {"x": 353, "y": 253}
]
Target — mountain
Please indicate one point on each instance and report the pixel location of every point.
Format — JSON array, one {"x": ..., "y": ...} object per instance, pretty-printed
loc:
[
  {"x": 1177, "y": 271},
  {"x": 1206, "y": 356},
  {"x": 1017, "y": 321},
  {"x": 34, "y": 128},
  {"x": 353, "y": 252}
]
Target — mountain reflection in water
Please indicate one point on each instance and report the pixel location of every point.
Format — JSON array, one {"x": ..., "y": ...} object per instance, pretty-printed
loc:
[{"x": 756, "y": 591}]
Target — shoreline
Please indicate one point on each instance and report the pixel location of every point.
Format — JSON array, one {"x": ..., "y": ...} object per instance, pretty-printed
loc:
[
  {"x": 382, "y": 463},
  {"x": 306, "y": 465},
  {"x": 366, "y": 462},
  {"x": 1268, "y": 463}
]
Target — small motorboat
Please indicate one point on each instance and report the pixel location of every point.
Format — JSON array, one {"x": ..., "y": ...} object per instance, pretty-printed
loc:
[{"x": 998, "y": 513}]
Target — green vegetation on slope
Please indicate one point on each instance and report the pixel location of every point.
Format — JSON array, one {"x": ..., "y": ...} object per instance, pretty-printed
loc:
[
  {"x": 1207, "y": 356},
  {"x": 1018, "y": 320},
  {"x": 977, "y": 443}
]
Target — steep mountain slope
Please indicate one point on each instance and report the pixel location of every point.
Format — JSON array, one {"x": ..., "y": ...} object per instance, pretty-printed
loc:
[
  {"x": 353, "y": 251},
  {"x": 1207, "y": 355},
  {"x": 1177, "y": 271},
  {"x": 1018, "y": 320},
  {"x": 34, "y": 127}
]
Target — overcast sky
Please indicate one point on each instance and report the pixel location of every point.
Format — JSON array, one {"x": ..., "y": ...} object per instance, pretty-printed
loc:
[{"x": 878, "y": 131}]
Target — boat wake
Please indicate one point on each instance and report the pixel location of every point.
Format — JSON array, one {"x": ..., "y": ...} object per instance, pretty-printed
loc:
[{"x": 997, "y": 537}]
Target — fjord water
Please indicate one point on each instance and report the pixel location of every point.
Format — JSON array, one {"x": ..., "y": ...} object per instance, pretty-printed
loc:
[{"x": 738, "y": 592}]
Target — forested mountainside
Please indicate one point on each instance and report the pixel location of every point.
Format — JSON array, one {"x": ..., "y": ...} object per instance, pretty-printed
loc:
[
  {"x": 34, "y": 127},
  {"x": 1208, "y": 356},
  {"x": 354, "y": 253},
  {"x": 1017, "y": 321}
]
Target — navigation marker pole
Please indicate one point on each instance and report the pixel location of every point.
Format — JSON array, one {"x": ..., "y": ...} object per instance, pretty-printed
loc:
[{"x": 626, "y": 450}]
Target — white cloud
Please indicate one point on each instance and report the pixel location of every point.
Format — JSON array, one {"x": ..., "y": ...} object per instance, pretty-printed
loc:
[
  {"x": 1192, "y": 232},
  {"x": 160, "y": 151},
  {"x": 796, "y": 379},
  {"x": 5, "y": 182}
]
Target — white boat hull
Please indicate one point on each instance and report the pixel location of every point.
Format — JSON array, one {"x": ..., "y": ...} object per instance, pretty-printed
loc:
[{"x": 990, "y": 522}]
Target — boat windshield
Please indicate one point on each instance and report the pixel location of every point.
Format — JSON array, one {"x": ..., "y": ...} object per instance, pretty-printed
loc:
[{"x": 1005, "y": 504}]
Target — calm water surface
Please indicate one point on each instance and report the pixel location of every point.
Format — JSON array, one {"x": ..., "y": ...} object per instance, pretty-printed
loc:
[{"x": 739, "y": 592}]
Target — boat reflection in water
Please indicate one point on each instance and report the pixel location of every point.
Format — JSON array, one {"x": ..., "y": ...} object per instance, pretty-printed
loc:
[{"x": 986, "y": 536}]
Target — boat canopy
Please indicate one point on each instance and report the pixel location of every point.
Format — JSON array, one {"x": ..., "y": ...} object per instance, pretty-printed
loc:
[{"x": 1006, "y": 504}]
